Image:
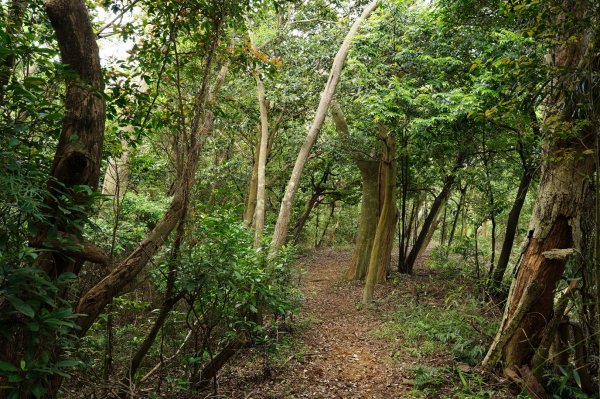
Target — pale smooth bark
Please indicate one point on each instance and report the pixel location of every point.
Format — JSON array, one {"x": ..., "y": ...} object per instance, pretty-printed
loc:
[
  {"x": 259, "y": 214},
  {"x": 285, "y": 211}
]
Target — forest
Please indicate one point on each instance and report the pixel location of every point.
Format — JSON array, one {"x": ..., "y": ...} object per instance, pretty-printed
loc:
[{"x": 299, "y": 199}]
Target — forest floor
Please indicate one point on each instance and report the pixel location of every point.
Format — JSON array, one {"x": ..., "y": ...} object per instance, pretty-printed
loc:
[{"x": 420, "y": 339}]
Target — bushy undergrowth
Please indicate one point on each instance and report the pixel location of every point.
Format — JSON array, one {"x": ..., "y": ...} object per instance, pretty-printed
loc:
[{"x": 233, "y": 297}]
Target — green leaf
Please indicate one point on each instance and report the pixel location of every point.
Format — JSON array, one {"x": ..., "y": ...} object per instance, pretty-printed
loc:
[
  {"x": 5, "y": 366},
  {"x": 38, "y": 391},
  {"x": 68, "y": 363},
  {"x": 21, "y": 306}
]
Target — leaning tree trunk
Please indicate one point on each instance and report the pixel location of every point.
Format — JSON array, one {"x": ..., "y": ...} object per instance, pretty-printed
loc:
[
  {"x": 431, "y": 217},
  {"x": 384, "y": 234},
  {"x": 285, "y": 211},
  {"x": 554, "y": 227},
  {"x": 431, "y": 230},
  {"x": 511, "y": 230}
]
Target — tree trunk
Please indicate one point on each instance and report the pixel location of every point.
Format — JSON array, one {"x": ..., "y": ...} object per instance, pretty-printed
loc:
[
  {"x": 431, "y": 230},
  {"x": 432, "y": 216},
  {"x": 556, "y": 216},
  {"x": 13, "y": 24},
  {"x": 511, "y": 229},
  {"x": 93, "y": 302},
  {"x": 252, "y": 186},
  {"x": 384, "y": 234},
  {"x": 259, "y": 215},
  {"x": 369, "y": 204},
  {"x": 457, "y": 215},
  {"x": 369, "y": 211},
  {"x": 78, "y": 154},
  {"x": 285, "y": 211},
  {"x": 310, "y": 205}
]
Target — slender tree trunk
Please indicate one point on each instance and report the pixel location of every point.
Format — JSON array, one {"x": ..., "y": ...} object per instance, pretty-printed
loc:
[
  {"x": 310, "y": 205},
  {"x": 443, "y": 233},
  {"x": 511, "y": 229},
  {"x": 285, "y": 212},
  {"x": 457, "y": 215},
  {"x": 432, "y": 216},
  {"x": 94, "y": 301},
  {"x": 403, "y": 236},
  {"x": 331, "y": 215},
  {"x": 13, "y": 25},
  {"x": 259, "y": 216},
  {"x": 384, "y": 234},
  {"x": 431, "y": 230},
  {"x": 252, "y": 187}
]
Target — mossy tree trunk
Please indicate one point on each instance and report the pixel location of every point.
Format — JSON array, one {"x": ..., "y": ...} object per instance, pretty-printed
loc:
[
  {"x": 369, "y": 213},
  {"x": 380, "y": 256}
]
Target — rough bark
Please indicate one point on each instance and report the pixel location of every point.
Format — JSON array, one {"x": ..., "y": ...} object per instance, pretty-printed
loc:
[
  {"x": 555, "y": 219},
  {"x": 78, "y": 153},
  {"x": 285, "y": 211}
]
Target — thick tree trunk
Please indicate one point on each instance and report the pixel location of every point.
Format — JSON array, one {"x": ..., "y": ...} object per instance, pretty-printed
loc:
[
  {"x": 369, "y": 204},
  {"x": 285, "y": 211},
  {"x": 369, "y": 212},
  {"x": 78, "y": 154},
  {"x": 554, "y": 227},
  {"x": 76, "y": 160},
  {"x": 384, "y": 234}
]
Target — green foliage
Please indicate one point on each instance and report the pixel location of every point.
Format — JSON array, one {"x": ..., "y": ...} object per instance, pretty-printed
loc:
[
  {"x": 31, "y": 305},
  {"x": 230, "y": 282}
]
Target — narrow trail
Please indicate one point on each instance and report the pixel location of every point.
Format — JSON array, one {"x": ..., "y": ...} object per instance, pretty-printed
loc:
[{"x": 339, "y": 354}]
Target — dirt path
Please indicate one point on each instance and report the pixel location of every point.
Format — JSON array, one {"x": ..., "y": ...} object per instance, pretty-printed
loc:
[{"x": 339, "y": 354}]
